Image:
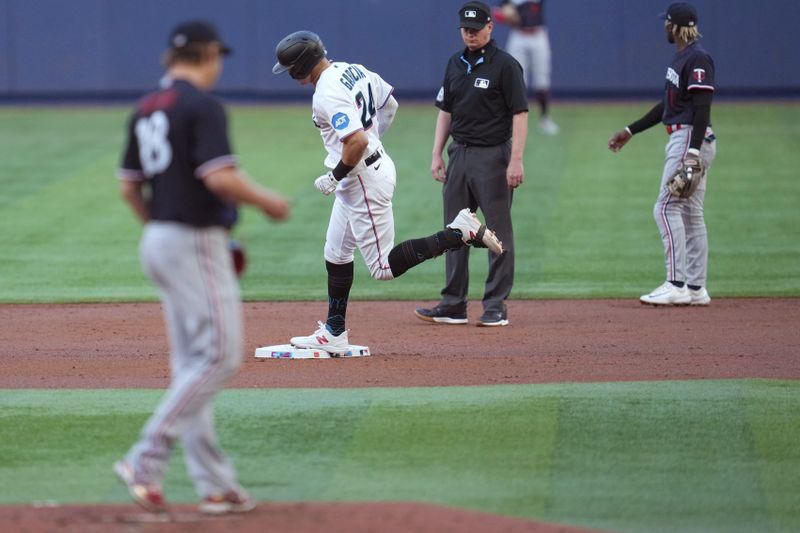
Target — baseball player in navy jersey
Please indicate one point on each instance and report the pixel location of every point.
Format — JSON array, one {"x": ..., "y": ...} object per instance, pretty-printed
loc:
[
  {"x": 181, "y": 179},
  {"x": 529, "y": 43},
  {"x": 352, "y": 108},
  {"x": 686, "y": 112}
]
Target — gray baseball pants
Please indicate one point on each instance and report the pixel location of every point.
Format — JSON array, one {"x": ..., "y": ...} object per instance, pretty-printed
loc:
[
  {"x": 192, "y": 269},
  {"x": 681, "y": 221},
  {"x": 476, "y": 178}
]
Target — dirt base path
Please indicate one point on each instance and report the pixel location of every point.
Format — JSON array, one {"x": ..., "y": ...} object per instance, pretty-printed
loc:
[{"x": 124, "y": 345}]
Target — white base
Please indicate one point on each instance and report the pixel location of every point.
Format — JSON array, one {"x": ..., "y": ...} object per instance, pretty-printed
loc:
[{"x": 287, "y": 351}]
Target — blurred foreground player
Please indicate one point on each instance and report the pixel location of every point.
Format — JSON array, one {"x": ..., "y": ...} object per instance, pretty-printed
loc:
[{"x": 181, "y": 179}]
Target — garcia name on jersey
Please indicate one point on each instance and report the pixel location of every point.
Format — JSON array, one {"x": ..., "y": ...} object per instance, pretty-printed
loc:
[{"x": 346, "y": 100}]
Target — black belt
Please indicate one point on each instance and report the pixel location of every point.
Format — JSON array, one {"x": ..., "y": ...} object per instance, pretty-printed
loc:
[
  {"x": 672, "y": 128},
  {"x": 374, "y": 157},
  {"x": 470, "y": 145}
]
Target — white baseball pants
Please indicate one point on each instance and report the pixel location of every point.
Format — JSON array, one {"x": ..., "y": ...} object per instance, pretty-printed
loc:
[{"x": 362, "y": 217}]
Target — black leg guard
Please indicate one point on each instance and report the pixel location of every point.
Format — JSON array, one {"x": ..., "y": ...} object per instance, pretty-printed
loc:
[
  {"x": 410, "y": 253},
  {"x": 340, "y": 280}
]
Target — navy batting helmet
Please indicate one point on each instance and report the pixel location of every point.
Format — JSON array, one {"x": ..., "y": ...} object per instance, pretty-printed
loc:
[{"x": 299, "y": 53}]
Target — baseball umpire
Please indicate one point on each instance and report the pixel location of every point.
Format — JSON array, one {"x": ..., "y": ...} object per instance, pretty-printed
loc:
[
  {"x": 483, "y": 106},
  {"x": 685, "y": 111},
  {"x": 352, "y": 108},
  {"x": 181, "y": 179}
]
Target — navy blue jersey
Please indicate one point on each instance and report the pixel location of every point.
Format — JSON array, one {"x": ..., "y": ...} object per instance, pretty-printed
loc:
[
  {"x": 692, "y": 69},
  {"x": 530, "y": 12},
  {"x": 176, "y": 137},
  {"x": 482, "y": 96}
]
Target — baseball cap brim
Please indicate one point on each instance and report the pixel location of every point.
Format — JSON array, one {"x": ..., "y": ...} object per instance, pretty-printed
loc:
[{"x": 473, "y": 25}]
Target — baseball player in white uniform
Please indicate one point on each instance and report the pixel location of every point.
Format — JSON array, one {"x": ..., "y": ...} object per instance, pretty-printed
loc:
[{"x": 352, "y": 108}]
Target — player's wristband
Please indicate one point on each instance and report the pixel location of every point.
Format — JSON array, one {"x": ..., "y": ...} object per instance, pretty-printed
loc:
[
  {"x": 693, "y": 151},
  {"x": 628, "y": 129},
  {"x": 341, "y": 170}
]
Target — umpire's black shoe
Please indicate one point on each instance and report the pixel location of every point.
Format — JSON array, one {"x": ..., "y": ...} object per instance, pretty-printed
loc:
[
  {"x": 441, "y": 315},
  {"x": 494, "y": 318}
]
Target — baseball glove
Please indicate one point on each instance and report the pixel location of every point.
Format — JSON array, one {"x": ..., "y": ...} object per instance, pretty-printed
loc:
[
  {"x": 239, "y": 257},
  {"x": 686, "y": 179}
]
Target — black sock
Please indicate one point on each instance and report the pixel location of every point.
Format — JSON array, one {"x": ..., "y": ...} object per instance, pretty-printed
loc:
[
  {"x": 542, "y": 98},
  {"x": 412, "y": 252},
  {"x": 678, "y": 284},
  {"x": 340, "y": 279},
  {"x": 695, "y": 287}
]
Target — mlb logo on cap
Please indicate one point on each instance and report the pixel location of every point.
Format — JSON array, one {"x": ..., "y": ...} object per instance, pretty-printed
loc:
[{"x": 475, "y": 15}]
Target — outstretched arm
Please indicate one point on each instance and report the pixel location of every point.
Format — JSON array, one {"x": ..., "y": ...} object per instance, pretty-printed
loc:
[
  {"x": 651, "y": 118},
  {"x": 233, "y": 185}
]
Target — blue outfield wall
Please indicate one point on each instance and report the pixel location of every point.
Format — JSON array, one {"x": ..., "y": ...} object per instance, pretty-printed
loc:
[{"x": 96, "y": 48}]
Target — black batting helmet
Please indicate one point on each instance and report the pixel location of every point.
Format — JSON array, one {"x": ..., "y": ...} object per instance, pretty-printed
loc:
[{"x": 299, "y": 53}]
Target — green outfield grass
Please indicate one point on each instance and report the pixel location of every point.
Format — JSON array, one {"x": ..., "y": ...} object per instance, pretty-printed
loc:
[
  {"x": 583, "y": 218},
  {"x": 669, "y": 456}
]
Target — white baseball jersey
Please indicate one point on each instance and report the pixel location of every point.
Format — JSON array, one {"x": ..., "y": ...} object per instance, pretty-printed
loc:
[{"x": 346, "y": 99}]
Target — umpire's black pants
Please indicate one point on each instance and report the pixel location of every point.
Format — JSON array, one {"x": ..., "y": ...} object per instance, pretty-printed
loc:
[{"x": 476, "y": 178}]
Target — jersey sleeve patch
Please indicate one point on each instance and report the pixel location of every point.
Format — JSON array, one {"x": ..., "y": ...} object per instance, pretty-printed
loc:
[
  {"x": 340, "y": 121},
  {"x": 699, "y": 75},
  {"x": 699, "y": 80}
]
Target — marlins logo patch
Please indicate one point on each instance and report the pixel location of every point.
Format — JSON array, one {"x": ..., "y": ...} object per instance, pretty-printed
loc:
[
  {"x": 340, "y": 121},
  {"x": 481, "y": 83},
  {"x": 699, "y": 75}
]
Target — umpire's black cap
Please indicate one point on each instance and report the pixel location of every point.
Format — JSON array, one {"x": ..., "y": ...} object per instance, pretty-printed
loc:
[
  {"x": 475, "y": 15},
  {"x": 681, "y": 14},
  {"x": 196, "y": 32}
]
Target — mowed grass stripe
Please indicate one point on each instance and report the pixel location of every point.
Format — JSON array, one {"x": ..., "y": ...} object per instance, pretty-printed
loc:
[
  {"x": 473, "y": 448},
  {"x": 583, "y": 219},
  {"x": 769, "y": 405},
  {"x": 651, "y": 456},
  {"x": 693, "y": 461}
]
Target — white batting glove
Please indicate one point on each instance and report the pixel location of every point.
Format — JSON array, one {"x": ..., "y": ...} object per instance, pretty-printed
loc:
[{"x": 326, "y": 183}]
